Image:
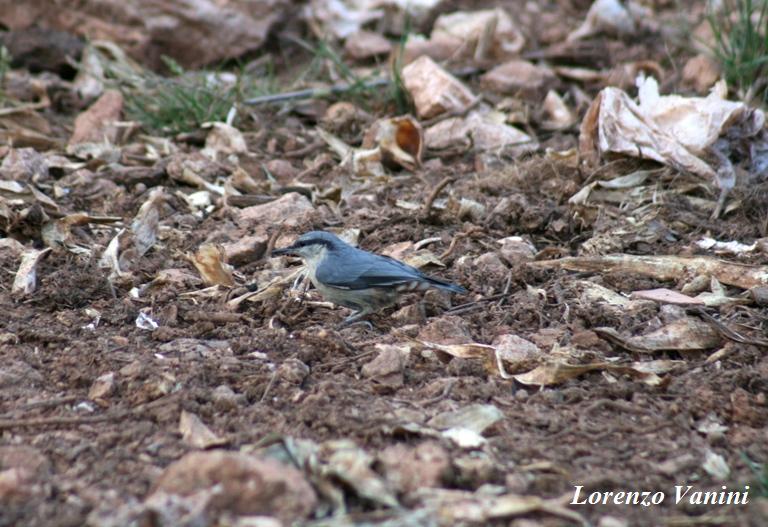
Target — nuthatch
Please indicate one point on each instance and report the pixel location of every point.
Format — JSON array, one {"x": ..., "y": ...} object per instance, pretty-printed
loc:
[{"x": 353, "y": 278}]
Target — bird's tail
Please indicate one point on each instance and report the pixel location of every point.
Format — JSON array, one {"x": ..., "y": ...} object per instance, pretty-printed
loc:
[{"x": 446, "y": 286}]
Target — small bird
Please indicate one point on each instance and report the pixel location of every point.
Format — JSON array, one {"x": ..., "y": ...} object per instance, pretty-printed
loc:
[{"x": 357, "y": 279}]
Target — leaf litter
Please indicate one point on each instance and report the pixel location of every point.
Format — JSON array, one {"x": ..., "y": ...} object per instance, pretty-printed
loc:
[{"x": 608, "y": 221}]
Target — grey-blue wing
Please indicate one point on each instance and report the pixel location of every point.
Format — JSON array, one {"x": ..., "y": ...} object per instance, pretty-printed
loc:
[{"x": 362, "y": 271}]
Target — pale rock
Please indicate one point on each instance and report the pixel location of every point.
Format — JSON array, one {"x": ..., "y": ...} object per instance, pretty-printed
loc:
[
  {"x": 293, "y": 371},
  {"x": 102, "y": 387},
  {"x": 434, "y": 90},
  {"x": 516, "y": 250},
  {"x": 239, "y": 484},
  {"x": 246, "y": 249},
  {"x": 408, "y": 469},
  {"x": 519, "y": 78},
  {"x": 366, "y": 44},
  {"x": 387, "y": 367},
  {"x": 290, "y": 210},
  {"x": 281, "y": 169}
]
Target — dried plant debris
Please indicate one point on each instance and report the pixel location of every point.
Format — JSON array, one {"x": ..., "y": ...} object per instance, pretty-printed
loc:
[{"x": 579, "y": 167}]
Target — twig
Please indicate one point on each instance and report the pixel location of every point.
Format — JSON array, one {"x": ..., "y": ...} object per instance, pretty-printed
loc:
[
  {"x": 25, "y": 107},
  {"x": 273, "y": 240},
  {"x": 218, "y": 317},
  {"x": 269, "y": 386},
  {"x": 303, "y": 151},
  {"x": 8, "y": 424},
  {"x": 346, "y": 361},
  {"x": 313, "y": 93},
  {"x": 457, "y": 238},
  {"x": 433, "y": 195},
  {"x": 48, "y": 403}
]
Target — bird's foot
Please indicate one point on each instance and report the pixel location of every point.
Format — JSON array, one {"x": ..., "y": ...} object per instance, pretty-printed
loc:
[{"x": 355, "y": 318}]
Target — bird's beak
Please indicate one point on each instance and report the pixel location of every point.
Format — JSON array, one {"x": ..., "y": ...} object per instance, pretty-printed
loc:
[{"x": 288, "y": 250}]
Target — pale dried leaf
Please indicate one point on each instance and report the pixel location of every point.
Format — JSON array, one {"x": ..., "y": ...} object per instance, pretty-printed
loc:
[
  {"x": 195, "y": 434},
  {"x": 209, "y": 262},
  {"x": 25, "y": 281}
]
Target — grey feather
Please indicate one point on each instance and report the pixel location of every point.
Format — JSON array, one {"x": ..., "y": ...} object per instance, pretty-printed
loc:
[{"x": 357, "y": 269}]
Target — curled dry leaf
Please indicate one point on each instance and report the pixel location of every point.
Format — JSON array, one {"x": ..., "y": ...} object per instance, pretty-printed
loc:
[
  {"x": 673, "y": 130},
  {"x": 209, "y": 262},
  {"x": 352, "y": 465},
  {"x": 480, "y": 35},
  {"x": 362, "y": 162},
  {"x": 144, "y": 225},
  {"x": 25, "y": 281},
  {"x": 482, "y": 129},
  {"x": 609, "y": 16},
  {"x": 557, "y": 114},
  {"x": 58, "y": 233},
  {"x": 475, "y": 417},
  {"x": 488, "y": 354},
  {"x": 400, "y": 140},
  {"x": 666, "y": 296},
  {"x": 110, "y": 259},
  {"x": 684, "y": 334},
  {"x": 559, "y": 372},
  {"x": 98, "y": 123}
]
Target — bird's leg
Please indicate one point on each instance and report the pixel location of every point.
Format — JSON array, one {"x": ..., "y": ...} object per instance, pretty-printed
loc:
[{"x": 355, "y": 318}]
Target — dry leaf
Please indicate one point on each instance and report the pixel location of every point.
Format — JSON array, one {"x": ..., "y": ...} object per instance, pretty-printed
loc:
[
  {"x": 684, "y": 334},
  {"x": 25, "y": 281},
  {"x": 145, "y": 224},
  {"x": 667, "y": 268},
  {"x": 209, "y": 262},
  {"x": 665, "y": 296}
]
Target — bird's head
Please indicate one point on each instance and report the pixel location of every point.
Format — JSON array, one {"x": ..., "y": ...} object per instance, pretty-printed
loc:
[{"x": 311, "y": 246}]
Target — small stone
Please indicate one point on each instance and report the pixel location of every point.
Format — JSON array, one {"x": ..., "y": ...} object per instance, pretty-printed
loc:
[
  {"x": 410, "y": 314},
  {"x": 21, "y": 470},
  {"x": 366, "y": 44},
  {"x": 281, "y": 169},
  {"x": 246, "y": 249},
  {"x": 242, "y": 485},
  {"x": 516, "y": 250},
  {"x": 519, "y": 355},
  {"x": 446, "y": 329},
  {"x": 520, "y": 78},
  {"x": 225, "y": 399},
  {"x": 586, "y": 339},
  {"x": 434, "y": 90},
  {"x": 102, "y": 387},
  {"x": 289, "y": 210},
  {"x": 759, "y": 295},
  {"x": 293, "y": 371},
  {"x": 387, "y": 367},
  {"x": 489, "y": 268},
  {"x": 408, "y": 469}
]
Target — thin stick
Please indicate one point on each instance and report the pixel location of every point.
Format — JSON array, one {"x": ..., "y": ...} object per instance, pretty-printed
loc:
[{"x": 433, "y": 196}]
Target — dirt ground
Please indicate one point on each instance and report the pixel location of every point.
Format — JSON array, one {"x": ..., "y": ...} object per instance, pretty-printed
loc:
[{"x": 90, "y": 403}]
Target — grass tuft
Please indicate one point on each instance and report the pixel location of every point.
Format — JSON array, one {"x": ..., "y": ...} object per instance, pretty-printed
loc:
[
  {"x": 185, "y": 100},
  {"x": 741, "y": 45}
]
